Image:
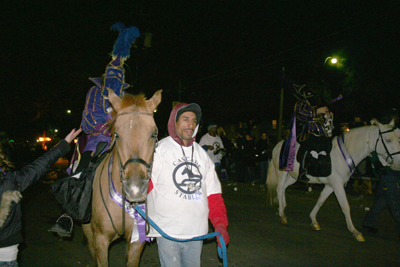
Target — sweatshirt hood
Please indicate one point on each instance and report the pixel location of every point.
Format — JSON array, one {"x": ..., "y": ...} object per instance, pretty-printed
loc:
[{"x": 172, "y": 122}]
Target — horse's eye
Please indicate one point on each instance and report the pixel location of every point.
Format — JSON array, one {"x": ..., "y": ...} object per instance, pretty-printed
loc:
[
  {"x": 388, "y": 140},
  {"x": 116, "y": 136},
  {"x": 154, "y": 134}
]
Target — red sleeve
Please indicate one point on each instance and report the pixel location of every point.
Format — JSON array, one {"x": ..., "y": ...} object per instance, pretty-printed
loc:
[
  {"x": 217, "y": 214},
  {"x": 151, "y": 186}
]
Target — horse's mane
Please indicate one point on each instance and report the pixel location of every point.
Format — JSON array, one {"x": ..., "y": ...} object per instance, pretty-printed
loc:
[{"x": 136, "y": 102}]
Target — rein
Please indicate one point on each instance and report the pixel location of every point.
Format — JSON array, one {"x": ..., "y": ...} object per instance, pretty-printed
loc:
[
  {"x": 122, "y": 168},
  {"x": 221, "y": 250}
]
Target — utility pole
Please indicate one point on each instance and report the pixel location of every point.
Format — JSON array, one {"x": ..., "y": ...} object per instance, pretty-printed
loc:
[
  {"x": 280, "y": 112},
  {"x": 280, "y": 117}
]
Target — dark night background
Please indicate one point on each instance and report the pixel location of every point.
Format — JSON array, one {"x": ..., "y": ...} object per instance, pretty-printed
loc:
[{"x": 227, "y": 55}]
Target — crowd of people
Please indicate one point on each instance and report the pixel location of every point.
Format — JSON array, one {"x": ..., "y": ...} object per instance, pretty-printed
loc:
[
  {"x": 242, "y": 152},
  {"x": 239, "y": 153}
]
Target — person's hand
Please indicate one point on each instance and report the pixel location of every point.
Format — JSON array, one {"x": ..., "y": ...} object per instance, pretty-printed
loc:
[
  {"x": 224, "y": 232},
  {"x": 71, "y": 136}
]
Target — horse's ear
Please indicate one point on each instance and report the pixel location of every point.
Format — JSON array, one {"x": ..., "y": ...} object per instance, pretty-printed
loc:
[
  {"x": 392, "y": 122},
  {"x": 154, "y": 101},
  {"x": 114, "y": 100}
]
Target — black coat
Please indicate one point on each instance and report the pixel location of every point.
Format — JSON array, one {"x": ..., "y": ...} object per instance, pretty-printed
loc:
[
  {"x": 10, "y": 231},
  {"x": 262, "y": 146}
]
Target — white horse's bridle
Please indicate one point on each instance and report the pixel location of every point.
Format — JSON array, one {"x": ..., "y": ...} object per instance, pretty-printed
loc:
[{"x": 389, "y": 155}]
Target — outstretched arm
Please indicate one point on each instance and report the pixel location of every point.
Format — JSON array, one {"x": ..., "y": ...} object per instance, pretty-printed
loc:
[
  {"x": 72, "y": 135},
  {"x": 29, "y": 174}
]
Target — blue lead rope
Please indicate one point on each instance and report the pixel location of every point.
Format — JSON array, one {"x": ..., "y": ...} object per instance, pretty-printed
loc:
[{"x": 221, "y": 250}]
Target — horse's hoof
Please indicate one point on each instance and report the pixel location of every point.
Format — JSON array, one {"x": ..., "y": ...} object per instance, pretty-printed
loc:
[
  {"x": 359, "y": 237},
  {"x": 315, "y": 226},
  {"x": 284, "y": 220}
]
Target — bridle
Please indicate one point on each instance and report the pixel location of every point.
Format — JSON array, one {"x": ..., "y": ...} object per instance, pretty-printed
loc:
[
  {"x": 148, "y": 166},
  {"x": 390, "y": 155},
  {"x": 122, "y": 168}
]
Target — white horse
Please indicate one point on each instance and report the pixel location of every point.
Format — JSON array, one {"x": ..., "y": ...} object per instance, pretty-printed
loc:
[{"x": 358, "y": 143}]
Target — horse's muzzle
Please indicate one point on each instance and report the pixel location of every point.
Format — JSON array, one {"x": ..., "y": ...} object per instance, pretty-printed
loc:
[{"x": 136, "y": 192}]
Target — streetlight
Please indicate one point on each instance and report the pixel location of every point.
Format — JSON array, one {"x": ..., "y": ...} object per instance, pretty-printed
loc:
[{"x": 333, "y": 60}]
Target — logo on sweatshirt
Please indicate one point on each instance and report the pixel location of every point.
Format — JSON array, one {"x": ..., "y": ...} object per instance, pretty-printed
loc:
[{"x": 187, "y": 179}]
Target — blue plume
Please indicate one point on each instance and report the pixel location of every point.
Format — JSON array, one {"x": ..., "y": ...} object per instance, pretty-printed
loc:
[{"x": 125, "y": 40}]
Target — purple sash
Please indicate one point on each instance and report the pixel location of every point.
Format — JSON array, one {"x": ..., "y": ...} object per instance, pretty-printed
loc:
[
  {"x": 346, "y": 155},
  {"x": 139, "y": 228}
]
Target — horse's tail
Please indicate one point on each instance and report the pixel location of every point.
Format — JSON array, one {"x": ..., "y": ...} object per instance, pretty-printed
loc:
[{"x": 272, "y": 184}]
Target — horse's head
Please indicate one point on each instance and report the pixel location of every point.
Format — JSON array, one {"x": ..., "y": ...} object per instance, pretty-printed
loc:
[
  {"x": 388, "y": 144},
  {"x": 135, "y": 133}
]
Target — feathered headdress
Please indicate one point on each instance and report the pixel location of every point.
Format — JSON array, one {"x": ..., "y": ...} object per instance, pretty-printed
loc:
[
  {"x": 125, "y": 40},
  {"x": 115, "y": 73}
]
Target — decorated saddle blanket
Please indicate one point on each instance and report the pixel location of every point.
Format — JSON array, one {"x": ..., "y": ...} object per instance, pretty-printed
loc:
[{"x": 314, "y": 155}]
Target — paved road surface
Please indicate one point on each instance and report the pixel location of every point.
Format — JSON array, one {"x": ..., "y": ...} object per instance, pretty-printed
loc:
[{"x": 257, "y": 238}]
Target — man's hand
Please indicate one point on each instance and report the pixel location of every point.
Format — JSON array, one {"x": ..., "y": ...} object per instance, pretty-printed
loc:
[
  {"x": 224, "y": 232},
  {"x": 71, "y": 136}
]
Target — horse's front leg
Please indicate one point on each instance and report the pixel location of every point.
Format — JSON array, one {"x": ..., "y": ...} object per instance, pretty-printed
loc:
[
  {"x": 282, "y": 185},
  {"x": 101, "y": 242},
  {"x": 87, "y": 230},
  {"x": 326, "y": 192},
  {"x": 344, "y": 204},
  {"x": 133, "y": 253}
]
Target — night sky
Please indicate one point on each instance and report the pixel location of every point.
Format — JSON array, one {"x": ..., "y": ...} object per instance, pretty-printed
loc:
[{"x": 227, "y": 56}]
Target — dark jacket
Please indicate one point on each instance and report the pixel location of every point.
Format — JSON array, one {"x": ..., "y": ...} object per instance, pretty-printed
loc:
[
  {"x": 10, "y": 225},
  {"x": 262, "y": 146}
]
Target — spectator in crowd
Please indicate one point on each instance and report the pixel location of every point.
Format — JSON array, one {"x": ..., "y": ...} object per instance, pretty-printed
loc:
[
  {"x": 213, "y": 145},
  {"x": 357, "y": 122},
  {"x": 262, "y": 147},
  {"x": 239, "y": 156},
  {"x": 225, "y": 164},
  {"x": 250, "y": 158},
  {"x": 12, "y": 183},
  {"x": 387, "y": 192}
]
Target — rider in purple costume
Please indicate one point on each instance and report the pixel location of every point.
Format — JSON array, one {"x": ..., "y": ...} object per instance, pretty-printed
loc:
[
  {"x": 97, "y": 110},
  {"x": 308, "y": 123},
  {"x": 96, "y": 115},
  {"x": 308, "y": 115}
]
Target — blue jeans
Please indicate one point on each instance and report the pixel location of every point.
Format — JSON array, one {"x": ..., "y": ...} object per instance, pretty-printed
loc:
[
  {"x": 387, "y": 195},
  {"x": 179, "y": 254},
  {"x": 9, "y": 263}
]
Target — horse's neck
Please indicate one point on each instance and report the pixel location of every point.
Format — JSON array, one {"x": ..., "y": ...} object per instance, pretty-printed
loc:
[
  {"x": 360, "y": 142},
  {"x": 115, "y": 171}
]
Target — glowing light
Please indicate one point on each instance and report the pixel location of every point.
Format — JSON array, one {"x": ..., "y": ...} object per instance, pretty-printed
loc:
[
  {"x": 68, "y": 111},
  {"x": 332, "y": 59}
]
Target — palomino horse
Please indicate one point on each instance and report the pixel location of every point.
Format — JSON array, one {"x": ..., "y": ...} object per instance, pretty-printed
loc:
[
  {"x": 353, "y": 147},
  {"x": 128, "y": 166}
]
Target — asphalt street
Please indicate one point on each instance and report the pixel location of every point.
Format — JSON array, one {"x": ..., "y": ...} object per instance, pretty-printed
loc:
[{"x": 257, "y": 238}]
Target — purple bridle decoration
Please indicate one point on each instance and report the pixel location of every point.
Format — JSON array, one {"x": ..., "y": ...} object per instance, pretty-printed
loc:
[
  {"x": 292, "y": 149},
  {"x": 117, "y": 197},
  {"x": 346, "y": 155}
]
